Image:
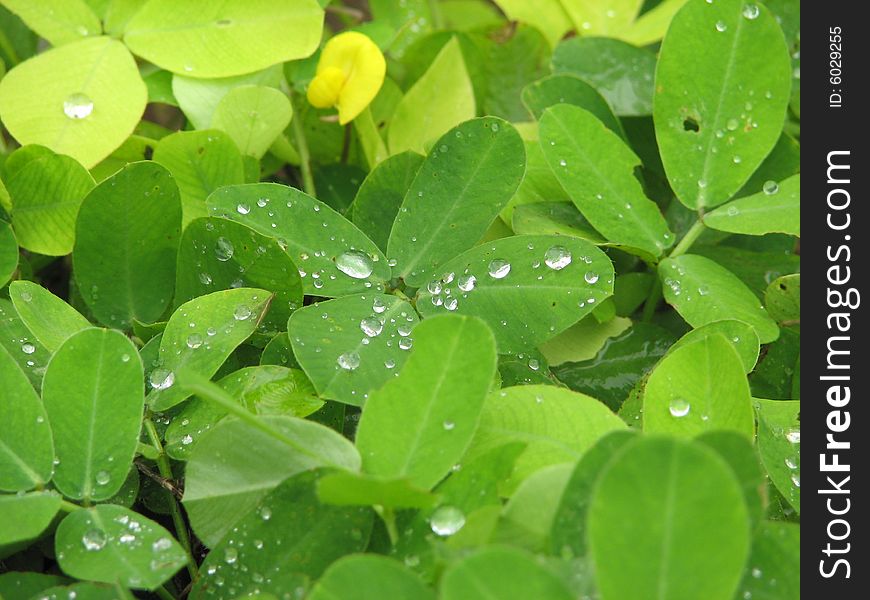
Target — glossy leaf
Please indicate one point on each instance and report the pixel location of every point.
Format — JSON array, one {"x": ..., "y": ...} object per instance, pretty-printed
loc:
[
  {"x": 711, "y": 137},
  {"x": 566, "y": 88},
  {"x": 48, "y": 317},
  {"x": 644, "y": 533},
  {"x": 235, "y": 465},
  {"x": 90, "y": 98},
  {"x": 552, "y": 281},
  {"x": 470, "y": 175},
  {"x": 288, "y": 534},
  {"x": 206, "y": 40},
  {"x": 319, "y": 240},
  {"x": 110, "y": 543},
  {"x": 351, "y": 346},
  {"x": 361, "y": 577},
  {"x": 418, "y": 425},
  {"x": 779, "y": 443},
  {"x": 742, "y": 456},
  {"x": 93, "y": 394},
  {"x": 344, "y": 488},
  {"x": 703, "y": 291},
  {"x": 26, "y": 516},
  {"x": 773, "y": 571},
  {"x": 58, "y": 21},
  {"x": 558, "y": 425},
  {"x": 742, "y": 337},
  {"x": 783, "y": 298},
  {"x": 221, "y": 321},
  {"x": 548, "y": 16},
  {"x": 774, "y": 210},
  {"x": 127, "y": 234},
  {"x": 21, "y": 344},
  {"x": 596, "y": 168},
  {"x": 8, "y": 253},
  {"x": 26, "y": 447}
]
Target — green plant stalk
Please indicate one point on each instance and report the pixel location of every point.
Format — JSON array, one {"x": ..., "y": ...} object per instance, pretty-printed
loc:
[
  {"x": 175, "y": 512},
  {"x": 388, "y": 516},
  {"x": 163, "y": 593},
  {"x": 655, "y": 293},
  {"x": 68, "y": 507},
  {"x": 691, "y": 236},
  {"x": 304, "y": 156}
]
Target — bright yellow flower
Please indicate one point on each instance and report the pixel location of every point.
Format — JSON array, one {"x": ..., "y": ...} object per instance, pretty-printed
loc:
[{"x": 349, "y": 75}]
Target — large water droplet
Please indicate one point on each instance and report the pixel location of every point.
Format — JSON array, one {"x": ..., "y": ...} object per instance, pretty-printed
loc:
[
  {"x": 590, "y": 277},
  {"x": 557, "y": 258},
  {"x": 28, "y": 348},
  {"x": 94, "y": 540},
  {"x": 378, "y": 305},
  {"x": 160, "y": 379},
  {"x": 446, "y": 521},
  {"x": 231, "y": 555},
  {"x": 751, "y": 11},
  {"x": 348, "y": 361},
  {"x": 78, "y": 106},
  {"x": 499, "y": 268},
  {"x": 241, "y": 312},
  {"x": 161, "y": 544},
  {"x": 405, "y": 343},
  {"x": 679, "y": 407},
  {"x": 354, "y": 263},
  {"x": 243, "y": 209},
  {"x": 793, "y": 436},
  {"x": 103, "y": 478},
  {"x": 194, "y": 341},
  {"x": 466, "y": 283},
  {"x": 770, "y": 187},
  {"x": 721, "y": 26},
  {"x": 371, "y": 326},
  {"x": 223, "y": 249}
]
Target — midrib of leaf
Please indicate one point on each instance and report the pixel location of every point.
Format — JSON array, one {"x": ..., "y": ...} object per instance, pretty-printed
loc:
[
  {"x": 34, "y": 477},
  {"x": 98, "y": 521},
  {"x": 665, "y": 556},
  {"x": 409, "y": 266},
  {"x": 725, "y": 87},
  {"x": 89, "y": 75},
  {"x": 89, "y": 446}
]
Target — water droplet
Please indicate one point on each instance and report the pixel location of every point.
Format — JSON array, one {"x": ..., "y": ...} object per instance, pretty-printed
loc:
[
  {"x": 78, "y": 106},
  {"x": 448, "y": 425},
  {"x": 557, "y": 258},
  {"x": 371, "y": 326},
  {"x": 354, "y": 263},
  {"x": 446, "y": 521},
  {"x": 590, "y": 277},
  {"x": 563, "y": 163},
  {"x": 721, "y": 26},
  {"x": 241, "y": 312},
  {"x": 94, "y": 540},
  {"x": 243, "y": 209},
  {"x": 793, "y": 436},
  {"x": 28, "y": 348},
  {"x": 499, "y": 268},
  {"x": 103, "y": 478},
  {"x": 230, "y": 555},
  {"x": 679, "y": 407},
  {"x": 348, "y": 361},
  {"x": 703, "y": 290},
  {"x": 265, "y": 513},
  {"x": 534, "y": 364},
  {"x": 796, "y": 480},
  {"x": 160, "y": 379},
  {"x": 434, "y": 287},
  {"x": 751, "y": 11},
  {"x": 26, "y": 296},
  {"x": 451, "y": 304},
  {"x": 378, "y": 305},
  {"x": 467, "y": 282},
  {"x": 161, "y": 544},
  {"x": 732, "y": 124},
  {"x": 791, "y": 462},
  {"x": 737, "y": 160},
  {"x": 770, "y": 187},
  {"x": 205, "y": 278},
  {"x": 405, "y": 343},
  {"x": 733, "y": 211},
  {"x": 194, "y": 340},
  {"x": 223, "y": 249},
  {"x": 186, "y": 440}
]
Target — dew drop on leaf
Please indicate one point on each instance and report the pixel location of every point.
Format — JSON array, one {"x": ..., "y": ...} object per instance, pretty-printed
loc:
[
  {"x": 371, "y": 326},
  {"x": 348, "y": 361},
  {"x": 223, "y": 249},
  {"x": 354, "y": 263},
  {"x": 241, "y": 312},
  {"x": 78, "y": 106},
  {"x": 194, "y": 340},
  {"x": 161, "y": 379},
  {"x": 446, "y": 521},
  {"x": 243, "y": 209},
  {"x": 94, "y": 540},
  {"x": 405, "y": 343},
  {"x": 721, "y": 26},
  {"x": 590, "y": 277},
  {"x": 102, "y": 478},
  {"x": 499, "y": 268},
  {"x": 557, "y": 257},
  {"x": 466, "y": 283},
  {"x": 793, "y": 436},
  {"x": 679, "y": 407},
  {"x": 751, "y": 11},
  {"x": 28, "y": 348},
  {"x": 770, "y": 187}
]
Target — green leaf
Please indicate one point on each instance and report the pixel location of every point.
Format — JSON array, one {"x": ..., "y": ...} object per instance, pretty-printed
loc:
[
  {"x": 8, "y": 253},
  {"x": 217, "y": 254},
  {"x": 46, "y": 195},
  {"x": 417, "y": 119},
  {"x": 200, "y": 162},
  {"x": 501, "y": 572},
  {"x": 289, "y": 533},
  {"x": 27, "y": 584},
  {"x": 773, "y": 572},
  {"x": 619, "y": 365},
  {"x": 740, "y": 454},
  {"x": 779, "y": 443},
  {"x": 234, "y": 466},
  {"x": 48, "y": 317},
  {"x": 319, "y": 240},
  {"x": 568, "y": 534},
  {"x": 110, "y": 543},
  {"x": 26, "y": 516},
  {"x": 596, "y": 168},
  {"x": 86, "y": 591},
  {"x": 21, "y": 344},
  {"x": 206, "y": 40},
  {"x": 644, "y": 517},
  {"x": 605, "y": 18},
  {"x": 699, "y": 387},
  {"x": 583, "y": 340},
  {"x": 548, "y": 16},
  {"x": 253, "y": 116},
  {"x": 558, "y": 426},
  {"x": 26, "y": 448},
  {"x": 527, "y": 518},
  {"x": 651, "y": 26},
  {"x": 90, "y": 99},
  {"x": 622, "y": 73},
  {"x": 553, "y": 218},
  {"x": 344, "y": 488},
  {"x": 776, "y": 374},
  {"x": 742, "y": 337},
  {"x": 711, "y": 138},
  {"x": 539, "y": 185},
  {"x": 381, "y": 194},
  {"x": 93, "y": 394},
  {"x": 776, "y": 210},
  {"x": 220, "y": 321},
  {"x": 526, "y": 288},
  {"x": 263, "y": 390},
  {"x": 351, "y": 346},
  {"x": 363, "y": 577},
  {"x": 418, "y": 425},
  {"x": 469, "y": 176},
  {"x": 703, "y": 291},
  {"x": 783, "y": 298},
  {"x": 566, "y": 88},
  {"x": 126, "y": 240},
  {"x": 199, "y": 98},
  {"x": 58, "y": 21}
]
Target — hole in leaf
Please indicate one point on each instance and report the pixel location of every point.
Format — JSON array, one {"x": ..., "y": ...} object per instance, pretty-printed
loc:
[{"x": 691, "y": 124}]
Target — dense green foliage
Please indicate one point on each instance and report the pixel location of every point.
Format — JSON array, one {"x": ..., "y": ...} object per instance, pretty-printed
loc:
[{"x": 521, "y": 320}]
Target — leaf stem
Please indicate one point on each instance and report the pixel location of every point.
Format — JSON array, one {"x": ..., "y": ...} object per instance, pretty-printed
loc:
[
  {"x": 655, "y": 293},
  {"x": 304, "y": 156},
  {"x": 694, "y": 232},
  {"x": 388, "y": 516},
  {"x": 652, "y": 300},
  {"x": 174, "y": 510},
  {"x": 68, "y": 507},
  {"x": 163, "y": 593}
]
